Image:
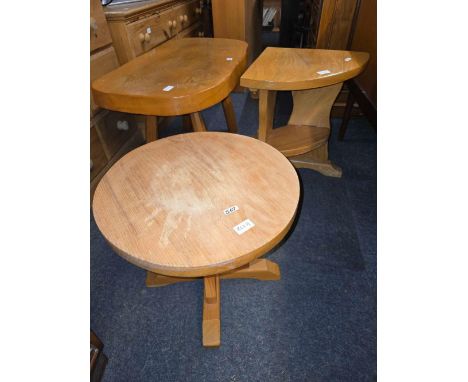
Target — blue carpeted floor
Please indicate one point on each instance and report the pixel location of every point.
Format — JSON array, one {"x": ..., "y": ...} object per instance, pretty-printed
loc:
[{"x": 318, "y": 323}]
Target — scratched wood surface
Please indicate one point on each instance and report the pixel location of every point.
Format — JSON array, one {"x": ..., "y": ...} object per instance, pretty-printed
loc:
[
  {"x": 162, "y": 205},
  {"x": 202, "y": 72},
  {"x": 296, "y": 69}
]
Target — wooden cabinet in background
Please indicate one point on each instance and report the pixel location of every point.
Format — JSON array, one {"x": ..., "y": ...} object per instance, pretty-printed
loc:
[
  {"x": 136, "y": 28},
  {"x": 240, "y": 20},
  {"x": 331, "y": 23},
  {"x": 111, "y": 134}
]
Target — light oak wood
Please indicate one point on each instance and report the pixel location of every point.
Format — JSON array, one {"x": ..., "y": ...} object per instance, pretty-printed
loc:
[
  {"x": 240, "y": 20},
  {"x": 229, "y": 114},
  {"x": 259, "y": 269},
  {"x": 161, "y": 206},
  {"x": 267, "y": 100},
  {"x": 211, "y": 325},
  {"x": 312, "y": 107},
  {"x": 198, "y": 123},
  {"x": 304, "y": 140},
  {"x": 293, "y": 140},
  {"x": 197, "y": 68},
  {"x": 183, "y": 65},
  {"x": 151, "y": 128},
  {"x": 296, "y": 69},
  {"x": 317, "y": 160}
]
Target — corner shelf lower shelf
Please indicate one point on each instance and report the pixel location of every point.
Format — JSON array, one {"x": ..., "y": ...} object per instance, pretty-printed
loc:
[{"x": 294, "y": 140}]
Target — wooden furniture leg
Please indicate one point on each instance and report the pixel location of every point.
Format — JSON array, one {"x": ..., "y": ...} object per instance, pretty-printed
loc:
[
  {"x": 259, "y": 269},
  {"x": 151, "y": 128},
  {"x": 197, "y": 122},
  {"x": 187, "y": 123},
  {"x": 267, "y": 100},
  {"x": 229, "y": 115},
  {"x": 211, "y": 312},
  {"x": 346, "y": 115}
]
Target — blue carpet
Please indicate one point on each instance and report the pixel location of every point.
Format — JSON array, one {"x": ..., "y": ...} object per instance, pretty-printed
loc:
[{"x": 318, "y": 323}]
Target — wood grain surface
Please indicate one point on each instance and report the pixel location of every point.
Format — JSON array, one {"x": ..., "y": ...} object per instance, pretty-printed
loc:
[
  {"x": 296, "y": 69},
  {"x": 202, "y": 72},
  {"x": 162, "y": 206}
]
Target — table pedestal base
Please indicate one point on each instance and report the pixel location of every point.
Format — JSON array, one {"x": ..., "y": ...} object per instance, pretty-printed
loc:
[
  {"x": 317, "y": 160},
  {"x": 259, "y": 269},
  {"x": 304, "y": 140}
]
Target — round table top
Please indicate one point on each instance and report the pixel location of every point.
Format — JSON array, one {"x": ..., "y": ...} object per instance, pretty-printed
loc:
[
  {"x": 182, "y": 76},
  {"x": 300, "y": 69},
  {"x": 197, "y": 204}
]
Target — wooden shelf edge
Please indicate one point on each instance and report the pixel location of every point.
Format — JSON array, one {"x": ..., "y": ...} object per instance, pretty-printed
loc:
[{"x": 292, "y": 140}]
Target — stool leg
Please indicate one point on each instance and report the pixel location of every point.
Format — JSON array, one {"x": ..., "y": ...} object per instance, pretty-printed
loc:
[
  {"x": 187, "y": 123},
  {"x": 151, "y": 128},
  {"x": 229, "y": 115},
  {"x": 266, "y": 113},
  {"x": 211, "y": 312},
  {"x": 197, "y": 122}
]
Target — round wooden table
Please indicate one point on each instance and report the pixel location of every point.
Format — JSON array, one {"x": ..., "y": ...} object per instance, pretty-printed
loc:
[
  {"x": 315, "y": 77},
  {"x": 199, "y": 205},
  {"x": 181, "y": 77}
]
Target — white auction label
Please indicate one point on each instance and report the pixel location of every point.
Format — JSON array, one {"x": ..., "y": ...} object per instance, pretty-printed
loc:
[
  {"x": 228, "y": 58},
  {"x": 230, "y": 210},
  {"x": 347, "y": 59},
  {"x": 326, "y": 71},
  {"x": 168, "y": 88},
  {"x": 244, "y": 226}
]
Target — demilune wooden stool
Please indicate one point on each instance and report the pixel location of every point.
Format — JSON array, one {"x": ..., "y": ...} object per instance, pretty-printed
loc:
[
  {"x": 199, "y": 205},
  {"x": 315, "y": 77},
  {"x": 181, "y": 77}
]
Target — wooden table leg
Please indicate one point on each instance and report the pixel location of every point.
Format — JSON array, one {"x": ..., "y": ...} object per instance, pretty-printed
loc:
[
  {"x": 229, "y": 115},
  {"x": 197, "y": 122},
  {"x": 187, "y": 123},
  {"x": 211, "y": 312},
  {"x": 151, "y": 128},
  {"x": 266, "y": 113},
  {"x": 259, "y": 269}
]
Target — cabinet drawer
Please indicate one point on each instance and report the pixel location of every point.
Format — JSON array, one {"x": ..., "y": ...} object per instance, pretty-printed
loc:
[
  {"x": 151, "y": 31},
  {"x": 99, "y": 31},
  {"x": 192, "y": 31},
  {"x": 102, "y": 63},
  {"x": 98, "y": 157},
  {"x": 186, "y": 14},
  {"x": 114, "y": 129}
]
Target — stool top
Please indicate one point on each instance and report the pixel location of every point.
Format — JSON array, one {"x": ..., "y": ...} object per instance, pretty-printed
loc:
[
  {"x": 180, "y": 77},
  {"x": 300, "y": 69},
  {"x": 166, "y": 205}
]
